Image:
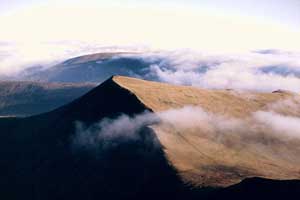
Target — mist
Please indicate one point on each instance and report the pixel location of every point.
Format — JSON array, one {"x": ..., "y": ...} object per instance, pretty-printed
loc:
[
  {"x": 261, "y": 70},
  {"x": 16, "y": 58},
  {"x": 109, "y": 133},
  {"x": 259, "y": 128}
]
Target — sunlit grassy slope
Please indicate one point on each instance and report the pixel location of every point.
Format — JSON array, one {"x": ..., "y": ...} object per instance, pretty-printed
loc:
[{"x": 204, "y": 157}]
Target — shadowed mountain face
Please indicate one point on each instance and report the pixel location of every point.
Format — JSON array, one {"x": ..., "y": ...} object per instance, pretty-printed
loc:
[
  {"x": 41, "y": 161},
  {"x": 19, "y": 98}
]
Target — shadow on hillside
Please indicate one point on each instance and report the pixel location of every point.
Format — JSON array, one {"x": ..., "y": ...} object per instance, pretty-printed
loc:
[{"x": 38, "y": 161}]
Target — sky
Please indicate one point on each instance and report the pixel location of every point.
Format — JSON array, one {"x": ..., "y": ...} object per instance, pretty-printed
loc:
[
  {"x": 285, "y": 11},
  {"x": 41, "y": 30},
  {"x": 212, "y": 25}
]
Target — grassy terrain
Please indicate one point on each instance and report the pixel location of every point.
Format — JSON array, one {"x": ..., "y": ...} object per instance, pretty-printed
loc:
[
  {"x": 205, "y": 156},
  {"x": 19, "y": 98},
  {"x": 39, "y": 159}
]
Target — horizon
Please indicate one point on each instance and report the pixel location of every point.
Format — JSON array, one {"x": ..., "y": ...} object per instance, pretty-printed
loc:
[
  {"x": 136, "y": 99},
  {"x": 40, "y": 28}
]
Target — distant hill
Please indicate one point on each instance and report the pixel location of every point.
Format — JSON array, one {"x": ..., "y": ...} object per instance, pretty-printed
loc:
[
  {"x": 40, "y": 161},
  {"x": 21, "y": 98},
  {"x": 92, "y": 68}
]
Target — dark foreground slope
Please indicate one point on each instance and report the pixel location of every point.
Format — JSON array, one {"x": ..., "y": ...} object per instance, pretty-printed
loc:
[
  {"x": 21, "y": 98},
  {"x": 40, "y": 161}
]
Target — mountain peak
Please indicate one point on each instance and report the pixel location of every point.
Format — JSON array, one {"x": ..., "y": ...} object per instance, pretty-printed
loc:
[
  {"x": 204, "y": 138},
  {"x": 163, "y": 96},
  {"x": 197, "y": 154}
]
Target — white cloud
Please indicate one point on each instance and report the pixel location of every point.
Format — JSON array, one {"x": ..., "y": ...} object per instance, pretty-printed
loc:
[
  {"x": 267, "y": 124},
  {"x": 32, "y": 29},
  {"x": 15, "y": 57},
  {"x": 244, "y": 71},
  {"x": 266, "y": 70},
  {"x": 279, "y": 124},
  {"x": 109, "y": 132}
]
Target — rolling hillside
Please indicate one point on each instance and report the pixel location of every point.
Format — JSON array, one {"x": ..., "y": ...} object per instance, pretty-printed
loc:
[
  {"x": 159, "y": 159},
  {"x": 21, "y": 98}
]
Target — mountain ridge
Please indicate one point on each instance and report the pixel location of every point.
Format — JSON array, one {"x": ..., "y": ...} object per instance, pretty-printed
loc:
[
  {"x": 94, "y": 68},
  {"x": 40, "y": 161},
  {"x": 24, "y": 98},
  {"x": 161, "y": 97}
]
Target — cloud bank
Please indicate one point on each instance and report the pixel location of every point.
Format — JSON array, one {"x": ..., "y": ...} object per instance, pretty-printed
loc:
[
  {"x": 259, "y": 128},
  {"x": 262, "y": 70},
  {"x": 266, "y": 70},
  {"x": 15, "y": 58}
]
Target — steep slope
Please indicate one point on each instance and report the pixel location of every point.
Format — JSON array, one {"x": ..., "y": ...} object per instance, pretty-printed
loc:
[
  {"x": 20, "y": 98},
  {"x": 41, "y": 161}
]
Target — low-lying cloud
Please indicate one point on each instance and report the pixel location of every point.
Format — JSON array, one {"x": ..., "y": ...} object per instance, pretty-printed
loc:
[
  {"x": 15, "y": 58},
  {"x": 262, "y": 70},
  {"x": 248, "y": 71},
  {"x": 281, "y": 125},
  {"x": 110, "y": 132},
  {"x": 258, "y": 128}
]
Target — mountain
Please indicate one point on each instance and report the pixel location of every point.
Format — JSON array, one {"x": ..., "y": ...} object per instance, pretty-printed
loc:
[
  {"x": 21, "y": 98},
  {"x": 198, "y": 156},
  {"x": 50, "y": 156},
  {"x": 91, "y": 68}
]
